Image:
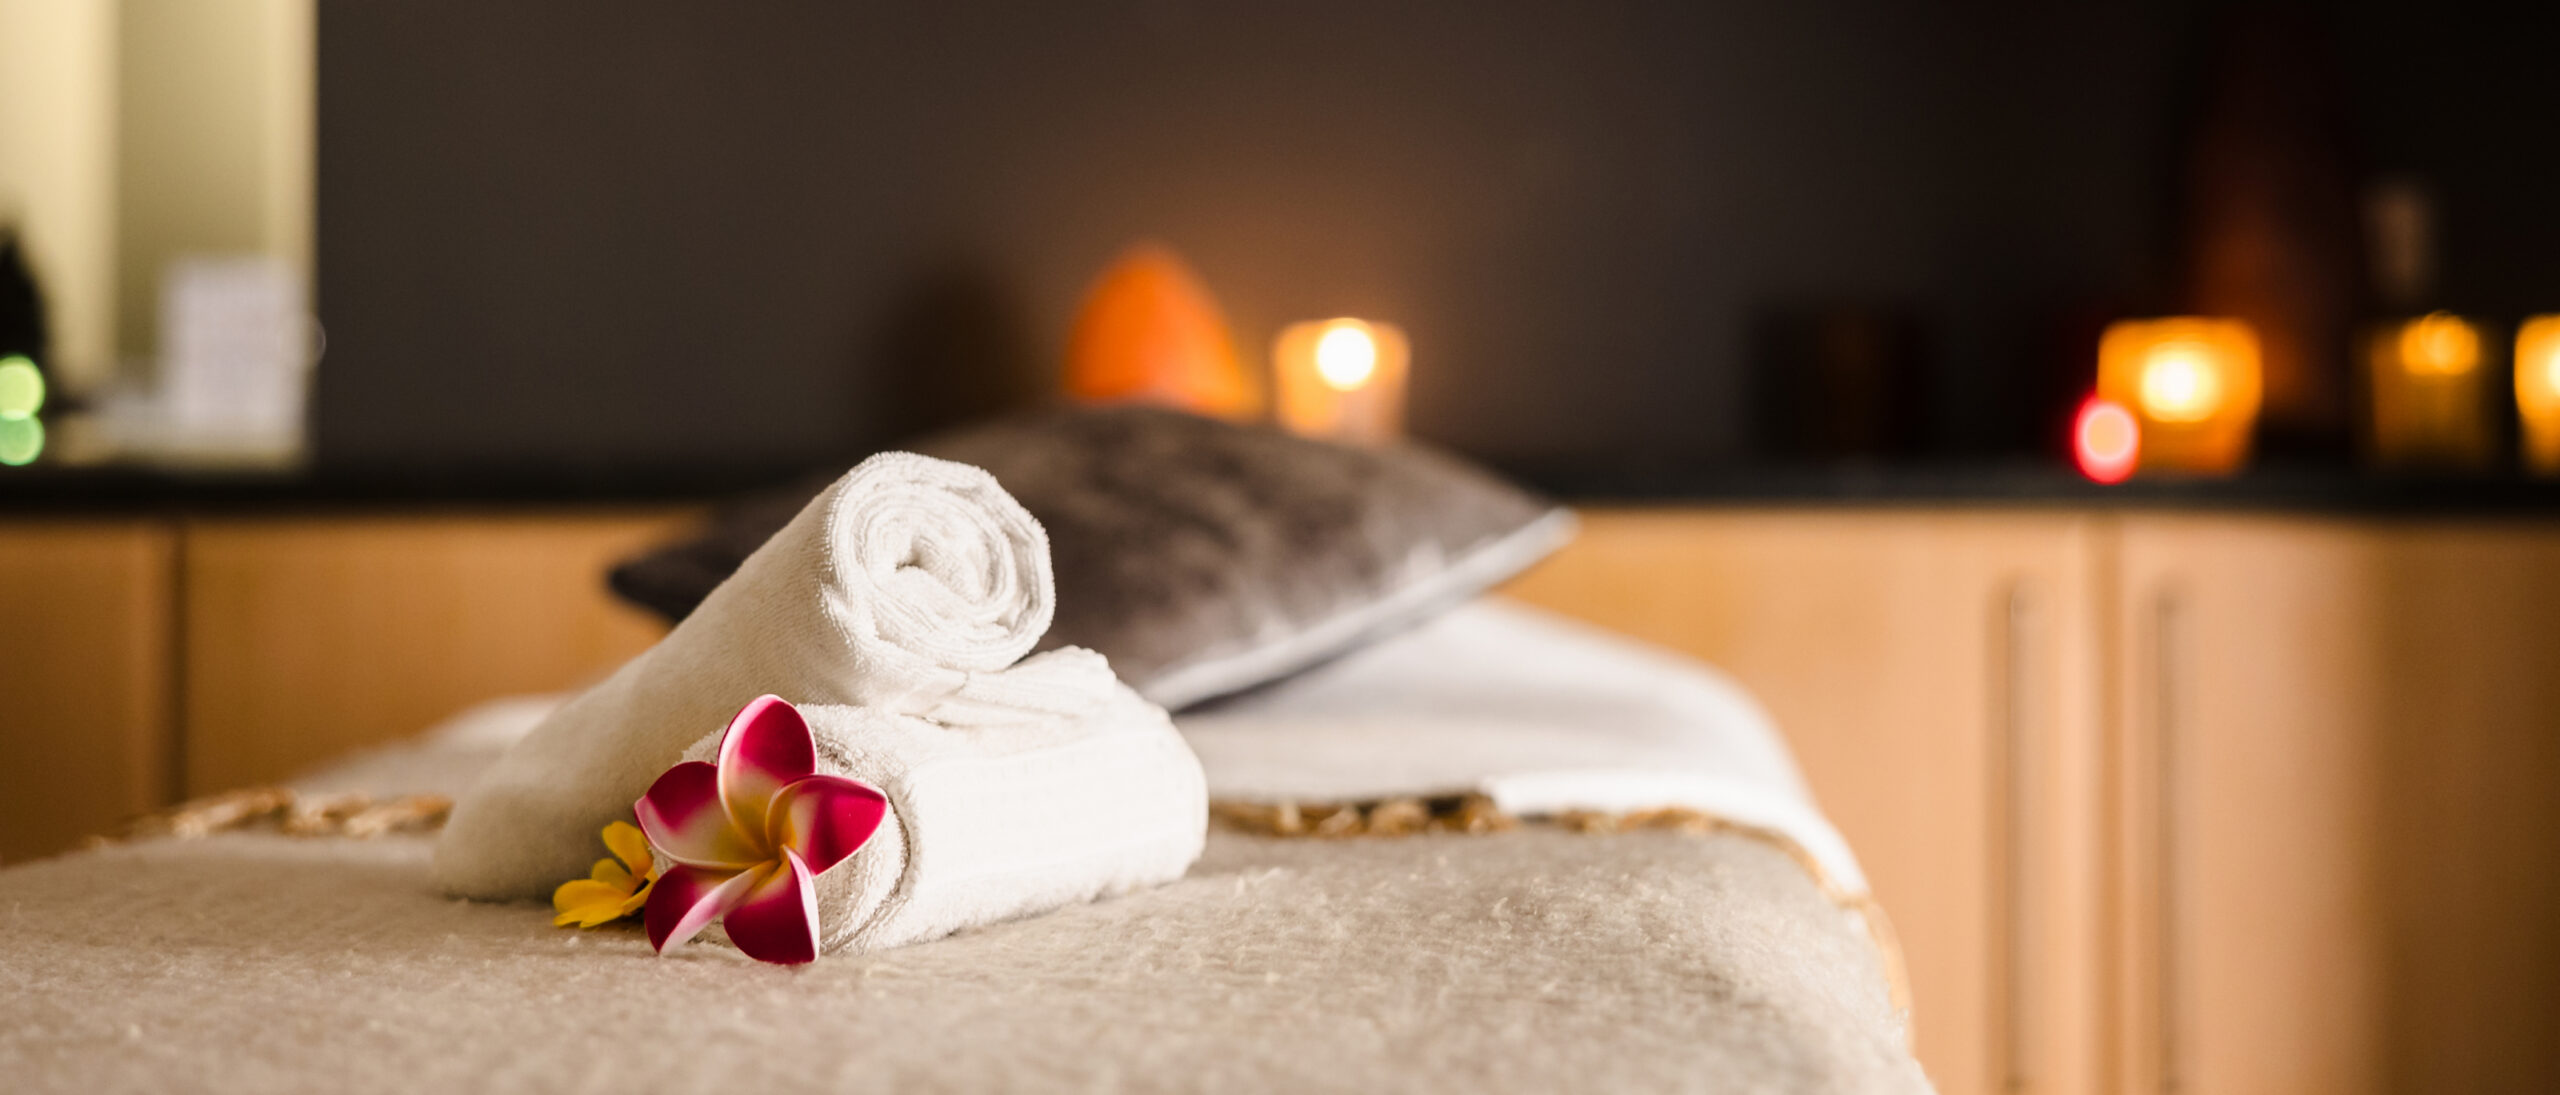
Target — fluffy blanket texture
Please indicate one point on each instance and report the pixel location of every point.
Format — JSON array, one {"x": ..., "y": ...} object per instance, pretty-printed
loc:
[{"x": 1535, "y": 960}]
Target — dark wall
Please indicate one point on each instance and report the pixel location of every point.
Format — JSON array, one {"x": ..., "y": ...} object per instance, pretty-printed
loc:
[
  {"x": 631, "y": 234},
  {"x": 2465, "y": 100}
]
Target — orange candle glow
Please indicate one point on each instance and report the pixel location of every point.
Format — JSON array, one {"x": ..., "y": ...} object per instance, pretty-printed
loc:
[
  {"x": 2538, "y": 392},
  {"x": 2428, "y": 394},
  {"x": 2192, "y": 385},
  {"x": 1341, "y": 379}
]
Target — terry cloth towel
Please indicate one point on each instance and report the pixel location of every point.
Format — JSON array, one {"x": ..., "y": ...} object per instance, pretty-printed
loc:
[
  {"x": 1001, "y": 820},
  {"x": 913, "y": 586},
  {"x": 1542, "y": 714}
]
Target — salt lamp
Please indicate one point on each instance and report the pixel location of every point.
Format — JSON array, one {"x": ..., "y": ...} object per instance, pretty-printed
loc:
[{"x": 1149, "y": 332}]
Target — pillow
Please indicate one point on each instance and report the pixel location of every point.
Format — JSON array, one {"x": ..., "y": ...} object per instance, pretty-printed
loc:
[{"x": 1201, "y": 557}]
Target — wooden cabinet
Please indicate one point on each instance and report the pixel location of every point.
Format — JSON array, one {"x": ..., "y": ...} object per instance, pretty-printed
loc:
[
  {"x": 2468, "y": 811},
  {"x": 305, "y": 638},
  {"x": 2198, "y": 803},
  {"x": 142, "y": 660},
  {"x": 85, "y": 688},
  {"x": 2339, "y": 863},
  {"x": 2249, "y": 934}
]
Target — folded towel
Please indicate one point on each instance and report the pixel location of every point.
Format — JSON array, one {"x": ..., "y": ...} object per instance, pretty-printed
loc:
[
  {"x": 1003, "y": 819},
  {"x": 912, "y": 585}
]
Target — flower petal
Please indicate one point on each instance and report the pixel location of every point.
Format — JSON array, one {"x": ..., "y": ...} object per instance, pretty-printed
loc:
[
  {"x": 688, "y": 899},
  {"x": 766, "y": 746},
  {"x": 825, "y": 818},
  {"x": 586, "y": 903},
  {"x": 611, "y": 874},
  {"x": 682, "y": 816},
  {"x": 629, "y": 845},
  {"x": 778, "y": 921},
  {"x": 636, "y": 901},
  {"x": 579, "y": 893}
]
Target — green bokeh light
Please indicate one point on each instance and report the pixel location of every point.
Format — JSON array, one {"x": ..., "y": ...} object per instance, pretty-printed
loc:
[
  {"x": 21, "y": 388},
  {"x": 21, "y": 441}
]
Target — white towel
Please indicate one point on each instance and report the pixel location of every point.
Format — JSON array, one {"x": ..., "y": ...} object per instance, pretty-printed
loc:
[
  {"x": 912, "y": 585},
  {"x": 1003, "y": 819}
]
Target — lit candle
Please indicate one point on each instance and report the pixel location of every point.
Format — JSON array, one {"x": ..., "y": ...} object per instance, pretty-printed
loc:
[
  {"x": 2538, "y": 391},
  {"x": 1341, "y": 379},
  {"x": 2428, "y": 392},
  {"x": 2192, "y": 385}
]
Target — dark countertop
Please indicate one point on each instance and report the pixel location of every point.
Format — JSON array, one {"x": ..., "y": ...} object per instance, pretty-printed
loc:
[
  {"x": 2296, "y": 489},
  {"x": 55, "y": 491},
  {"x": 115, "y": 490}
]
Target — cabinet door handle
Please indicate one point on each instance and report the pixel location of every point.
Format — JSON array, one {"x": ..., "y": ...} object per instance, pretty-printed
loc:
[
  {"x": 2016, "y": 895},
  {"x": 2168, "y": 685}
]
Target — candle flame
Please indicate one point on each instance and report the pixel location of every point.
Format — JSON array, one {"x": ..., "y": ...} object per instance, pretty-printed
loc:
[
  {"x": 2180, "y": 384},
  {"x": 2439, "y": 345},
  {"x": 1346, "y": 356}
]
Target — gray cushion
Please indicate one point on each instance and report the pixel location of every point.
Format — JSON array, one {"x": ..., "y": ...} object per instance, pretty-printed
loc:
[{"x": 1202, "y": 557}]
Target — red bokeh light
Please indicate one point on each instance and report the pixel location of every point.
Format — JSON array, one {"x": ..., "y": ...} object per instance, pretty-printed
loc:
[{"x": 2106, "y": 440}]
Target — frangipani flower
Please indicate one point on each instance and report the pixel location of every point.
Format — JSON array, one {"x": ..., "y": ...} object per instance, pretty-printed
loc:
[
  {"x": 613, "y": 890},
  {"x": 751, "y": 834}
]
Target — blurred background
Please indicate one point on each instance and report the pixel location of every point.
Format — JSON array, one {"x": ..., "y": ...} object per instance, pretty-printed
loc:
[
  {"x": 2117, "y": 441},
  {"x": 1626, "y": 237}
]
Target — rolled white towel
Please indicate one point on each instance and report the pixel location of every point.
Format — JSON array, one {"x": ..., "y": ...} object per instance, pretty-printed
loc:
[
  {"x": 936, "y": 581},
  {"x": 1005, "y": 819},
  {"x": 912, "y": 584}
]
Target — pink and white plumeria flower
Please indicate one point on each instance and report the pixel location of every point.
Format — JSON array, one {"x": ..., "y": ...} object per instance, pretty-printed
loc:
[{"x": 750, "y": 835}]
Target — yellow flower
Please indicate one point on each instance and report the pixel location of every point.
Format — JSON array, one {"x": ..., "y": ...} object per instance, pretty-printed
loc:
[{"x": 612, "y": 891}]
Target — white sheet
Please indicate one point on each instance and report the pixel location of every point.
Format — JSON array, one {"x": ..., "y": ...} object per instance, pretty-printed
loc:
[{"x": 1543, "y": 714}]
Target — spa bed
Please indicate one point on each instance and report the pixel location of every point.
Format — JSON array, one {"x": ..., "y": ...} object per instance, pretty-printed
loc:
[
  {"x": 1537, "y": 960},
  {"x": 1540, "y": 957}
]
